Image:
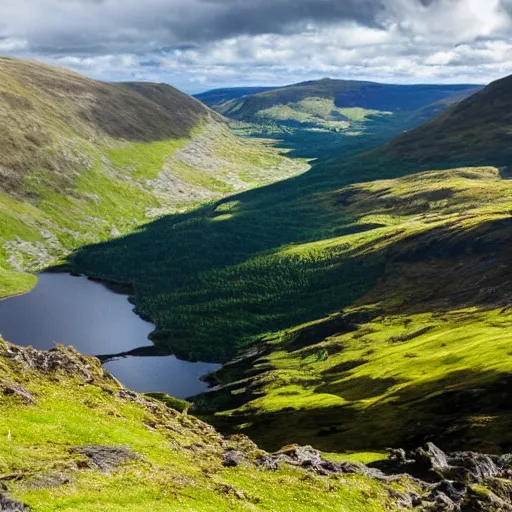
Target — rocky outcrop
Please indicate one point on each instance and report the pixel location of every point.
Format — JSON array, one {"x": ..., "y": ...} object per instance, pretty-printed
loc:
[
  {"x": 105, "y": 458},
  {"x": 8, "y": 505},
  {"x": 458, "y": 482}
]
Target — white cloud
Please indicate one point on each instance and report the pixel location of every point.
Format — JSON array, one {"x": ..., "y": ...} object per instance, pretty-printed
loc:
[{"x": 226, "y": 42}]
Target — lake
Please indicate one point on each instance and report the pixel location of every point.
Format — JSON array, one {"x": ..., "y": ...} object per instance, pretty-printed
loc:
[{"x": 99, "y": 321}]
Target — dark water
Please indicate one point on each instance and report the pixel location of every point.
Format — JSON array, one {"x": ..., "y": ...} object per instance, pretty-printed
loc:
[{"x": 97, "y": 321}]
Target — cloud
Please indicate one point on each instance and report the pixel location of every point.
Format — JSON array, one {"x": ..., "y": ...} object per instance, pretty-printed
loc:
[{"x": 199, "y": 43}]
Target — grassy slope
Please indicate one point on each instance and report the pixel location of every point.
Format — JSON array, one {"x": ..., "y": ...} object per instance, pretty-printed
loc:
[
  {"x": 180, "y": 466},
  {"x": 82, "y": 161},
  {"x": 476, "y": 129},
  {"x": 419, "y": 261}
]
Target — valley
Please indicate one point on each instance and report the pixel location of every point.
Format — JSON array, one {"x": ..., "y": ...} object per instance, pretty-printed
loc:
[
  {"x": 84, "y": 161},
  {"x": 325, "y": 290},
  {"x": 328, "y": 118},
  {"x": 358, "y": 261}
]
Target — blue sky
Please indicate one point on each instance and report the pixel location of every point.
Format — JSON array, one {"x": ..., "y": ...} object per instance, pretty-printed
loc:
[{"x": 202, "y": 44}]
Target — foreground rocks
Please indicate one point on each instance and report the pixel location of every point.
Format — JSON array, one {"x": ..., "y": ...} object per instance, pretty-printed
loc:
[
  {"x": 8, "y": 505},
  {"x": 437, "y": 481},
  {"x": 105, "y": 458}
]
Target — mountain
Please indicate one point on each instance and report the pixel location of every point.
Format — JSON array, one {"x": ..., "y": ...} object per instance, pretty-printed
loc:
[
  {"x": 361, "y": 305},
  {"x": 343, "y": 94},
  {"x": 83, "y": 161},
  {"x": 327, "y": 117},
  {"x": 477, "y": 128},
  {"x": 218, "y": 96}
]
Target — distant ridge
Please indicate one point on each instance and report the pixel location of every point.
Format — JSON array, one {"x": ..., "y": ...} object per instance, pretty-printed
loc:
[
  {"x": 218, "y": 96},
  {"x": 345, "y": 94}
]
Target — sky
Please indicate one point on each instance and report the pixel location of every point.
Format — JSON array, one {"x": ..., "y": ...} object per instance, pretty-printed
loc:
[{"x": 197, "y": 45}]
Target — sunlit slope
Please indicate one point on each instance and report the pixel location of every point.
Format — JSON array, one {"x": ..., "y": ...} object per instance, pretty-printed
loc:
[
  {"x": 423, "y": 354},
  {"x": 83, "y": 161},
  {"x": 324, "y": 118},
  {"x": 73, "y": 439},
  {"x": 344, "y": 94}
]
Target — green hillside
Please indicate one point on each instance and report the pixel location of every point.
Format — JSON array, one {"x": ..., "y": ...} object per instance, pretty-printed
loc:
[
  {"x": 329, "y": 117},
  {"x": 84, "y": 161},
  {"x": 476, "y": 129},
  {"x": 372, "y": 300},
  {"x": 73, "y": 439},
  {"x": 362, "y": 305}
]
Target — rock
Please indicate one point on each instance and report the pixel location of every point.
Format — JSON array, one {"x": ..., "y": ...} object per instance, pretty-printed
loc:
[
  {"x": 65, "y": 359},
  {"x": 48, "y": 480},
  {"x": 105, "y": 458},
  {"x": 405, "y": 500},
  {"x": 440, "y": 503},
  {"x": 8, "y": 505},
  {"x": 17, "y": 391},
  {"x": 454, "y": 490},
  {"x": 431, "y": 464},
  {"x": 232, "y": 459},
  {"x": 484, "y": 501},
  {"x": 310, "y": 459},
  {"x": 267, "y": 462},
  {"x": 431, "y": 458}
]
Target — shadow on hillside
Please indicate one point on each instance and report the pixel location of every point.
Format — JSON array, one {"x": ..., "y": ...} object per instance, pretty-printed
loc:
[
  {"x": 446, "y": 411},
  {"x": 211, "y": 281}
]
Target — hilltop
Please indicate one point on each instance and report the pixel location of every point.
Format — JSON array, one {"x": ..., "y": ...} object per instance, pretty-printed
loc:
[
  {"x": 354, "y": 302},
  {"x": 347, "y": 94},
  {"x": 84, "y": 161},
  {"x": 327, "y": 117}
]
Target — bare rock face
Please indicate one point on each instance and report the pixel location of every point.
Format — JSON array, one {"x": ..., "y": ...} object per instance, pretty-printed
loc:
[
  {"x": 431, "y": 464},
  {"x": 310, "y": 459},
  {"x": 9, "y": 389},
  {"x": 63, "y": 359},
  {"x": 8, "y": 505},
  {"x": 105, "y": 458}
]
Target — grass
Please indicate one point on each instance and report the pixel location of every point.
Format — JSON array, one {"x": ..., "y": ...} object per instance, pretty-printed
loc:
[
  {"x": 16, "y": 281},
  {"x": 332, "y": 118},
  {"x": 399, "y": 253},
  {"x": 74, "y": 174},
  {"x": 180, "y": 465},
  {"x": 144, "y": 160},
  {"x": 320, "y": 112}
]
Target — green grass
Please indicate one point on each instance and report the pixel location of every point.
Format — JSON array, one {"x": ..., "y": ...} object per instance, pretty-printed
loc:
[
  {"x": 256, "y": 268},
  {"x": 181, "y": 459},
  {"x": 144, "y": 160},
  {"x": 320, "y": 112},
  {"x": 17, "y": 282},
  {"x": 75, "y": 173},
  {"x": 111, "y": 197}
]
